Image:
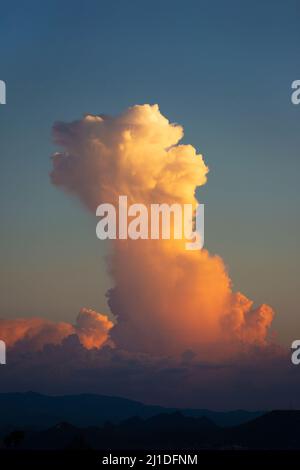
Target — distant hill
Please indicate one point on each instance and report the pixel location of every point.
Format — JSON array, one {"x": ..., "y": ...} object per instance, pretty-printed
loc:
[{"x": 42, "y": 411}]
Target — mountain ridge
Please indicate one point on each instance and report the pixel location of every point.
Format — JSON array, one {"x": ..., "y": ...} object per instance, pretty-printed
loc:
[{"x": 32, "y": 409}]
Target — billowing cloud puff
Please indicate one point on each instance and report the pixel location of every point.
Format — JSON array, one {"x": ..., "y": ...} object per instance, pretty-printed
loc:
[
  {"x": 134, "y": 154},
  {"x": 35, "y": 332},
  {"x": 91, "y": 327},
  {"x": 248, "y": 323},
  {"x": 165, "y": 299}
]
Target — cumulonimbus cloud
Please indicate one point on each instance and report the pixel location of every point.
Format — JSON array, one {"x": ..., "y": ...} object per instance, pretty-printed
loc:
[{"x": 165, "y": 299}]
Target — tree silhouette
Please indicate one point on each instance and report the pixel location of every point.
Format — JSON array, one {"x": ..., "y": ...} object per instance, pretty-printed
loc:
[{"x": 14, "y": 439}]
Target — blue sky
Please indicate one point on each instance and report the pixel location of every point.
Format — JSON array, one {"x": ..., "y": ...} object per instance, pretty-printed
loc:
[{"x": 223, "y": 70}]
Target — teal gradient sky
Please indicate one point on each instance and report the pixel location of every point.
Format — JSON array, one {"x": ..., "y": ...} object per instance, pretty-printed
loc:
[{"x": 223, "y": 70}]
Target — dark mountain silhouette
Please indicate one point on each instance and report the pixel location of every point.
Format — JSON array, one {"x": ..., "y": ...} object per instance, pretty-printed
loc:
[
  {"x": 42, "y": 411},
  {"x": 61, "y": 436},
  {"x": 277, "y": 430},
  {"x": 169, "y": 431}
]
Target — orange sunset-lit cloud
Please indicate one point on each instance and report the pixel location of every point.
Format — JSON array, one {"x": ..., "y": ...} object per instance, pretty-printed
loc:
[
  {"x": 91, "y": 328},
  {"x": 165, "y": 299}
]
